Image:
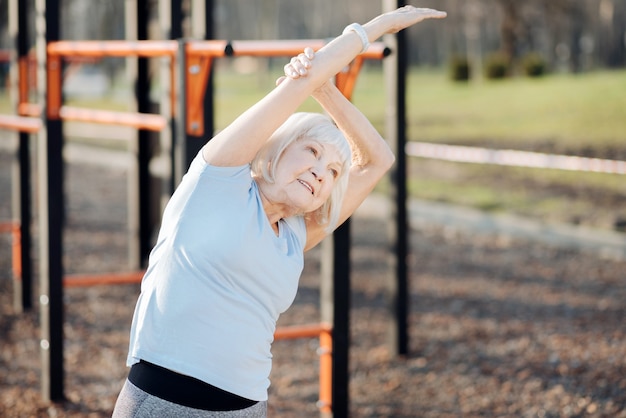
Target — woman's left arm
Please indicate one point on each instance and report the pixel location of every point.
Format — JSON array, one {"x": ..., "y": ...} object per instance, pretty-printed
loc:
[{"x": 371, "y": 156}]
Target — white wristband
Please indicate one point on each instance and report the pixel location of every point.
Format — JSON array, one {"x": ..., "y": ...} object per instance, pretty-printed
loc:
[{"x": 358, "y": 29}]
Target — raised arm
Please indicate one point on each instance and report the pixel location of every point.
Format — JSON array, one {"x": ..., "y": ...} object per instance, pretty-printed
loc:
[
  {"x": 371, "y": 156},
  {"x": 239, "y": 142}
]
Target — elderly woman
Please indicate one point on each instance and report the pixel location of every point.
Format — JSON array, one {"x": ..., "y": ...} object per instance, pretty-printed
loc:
[{"x": 231, "y": 246}]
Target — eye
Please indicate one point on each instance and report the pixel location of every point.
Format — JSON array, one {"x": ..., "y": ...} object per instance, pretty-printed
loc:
[
  {"x": 313, "y": 150},
  {"x": 334, "y": 172}
]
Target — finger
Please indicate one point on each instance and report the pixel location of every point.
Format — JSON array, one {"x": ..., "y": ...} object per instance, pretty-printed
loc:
[
  {"x": 298, "y": 65},
  {"x": 280, "y": 79},
  {"x": 309, "y": 52},
  {"x": 431, "y": 13},
  {"x": 306, "y": 62},
  {"x": 290, "y": 72}
]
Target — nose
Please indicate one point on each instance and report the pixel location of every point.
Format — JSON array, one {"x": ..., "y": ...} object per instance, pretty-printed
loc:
[{"x": 317, "y": 173}]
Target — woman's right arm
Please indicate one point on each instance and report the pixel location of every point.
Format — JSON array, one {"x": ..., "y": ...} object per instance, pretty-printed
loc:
[{"x": 240, "y": 141}]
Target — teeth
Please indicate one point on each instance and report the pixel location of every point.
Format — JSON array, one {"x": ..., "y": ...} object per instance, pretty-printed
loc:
[{"x": 306, "y": 185}]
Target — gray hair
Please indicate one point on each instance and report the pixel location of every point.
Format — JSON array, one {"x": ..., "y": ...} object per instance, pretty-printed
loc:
[{"x": 311, "y": 126}]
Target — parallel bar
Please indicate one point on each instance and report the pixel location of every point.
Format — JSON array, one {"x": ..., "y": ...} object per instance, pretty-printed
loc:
[
  {"x": 514, "y": 158},
  {"x": 301, "y": 331},
  {"x": 280, "y": 48},
  {"x": 147, "y": 121},
  {"x": 142, "y": 48},
  {"x": 87, "y": 280}
]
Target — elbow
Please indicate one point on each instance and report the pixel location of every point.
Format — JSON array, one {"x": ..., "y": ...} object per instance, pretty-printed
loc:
[
  {"x": 391, "y": 159},
  {"x": 388, "y": 159}
]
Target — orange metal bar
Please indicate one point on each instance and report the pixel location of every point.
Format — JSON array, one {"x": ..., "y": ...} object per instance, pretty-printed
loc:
[
  {"x": 20, "y": 123},
  {"x": 137, "y": 120},
  {"x": 301, "y": 331},
  {"x": 346, "y": 80},
  {"x": 324, "y": 332},
  {"x": 87, "y": 280},
  {"x": 113, "y": 48},
  {"x": 16, "y": 246},
  {"x": 54, "y": 87},
  {"x": 98, "y": 49},
  {"x": 6, "y": 227},
  {"x": 211, "y": 48},
  {"x": 377, "y": 50},
  {"x": 198, "y": 63},
  {"x": 17, "y": 251},
  {"x": 198, "y": 69},
  {"x": 29, "y": 109},
  {"x": 23, "y": 80},
  {"x": 326, "y": 372}
]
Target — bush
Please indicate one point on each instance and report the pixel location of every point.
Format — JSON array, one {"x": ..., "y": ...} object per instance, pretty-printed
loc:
[
  {"x": 534, "y": 65},
  {"x": 459, "y": 69},
  {"x": 497, "y": 66}
]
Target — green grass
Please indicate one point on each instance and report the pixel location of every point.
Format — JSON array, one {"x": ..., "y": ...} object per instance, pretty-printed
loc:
[
  {"x": 569, "y": 111},
  {"x": 572, "y": 114}
]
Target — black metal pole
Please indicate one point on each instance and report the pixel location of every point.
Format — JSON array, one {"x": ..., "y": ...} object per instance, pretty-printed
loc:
[
  {"x": 51, "y": 207},
  {"x": 25, "y": 215},
  {"x": 341, "y": 321},
  {"x": 399, "y": 178},
  {"x": 395, "y": 67},
  {"x": 145, "y": 144},
  {"x": 21, "y": 198}
]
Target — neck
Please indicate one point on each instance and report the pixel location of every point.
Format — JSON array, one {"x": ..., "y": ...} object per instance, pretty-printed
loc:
[{"x": 273, "y": 210}]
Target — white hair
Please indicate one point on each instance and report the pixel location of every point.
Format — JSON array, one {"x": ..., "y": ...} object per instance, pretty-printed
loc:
[{"x": 320, "y": 128}]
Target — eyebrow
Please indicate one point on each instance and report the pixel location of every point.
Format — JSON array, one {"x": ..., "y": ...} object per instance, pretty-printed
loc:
[{"x": 324, "y": 147}]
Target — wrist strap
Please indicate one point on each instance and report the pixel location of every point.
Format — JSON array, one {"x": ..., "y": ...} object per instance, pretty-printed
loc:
[{"x": 358, "y": 29}]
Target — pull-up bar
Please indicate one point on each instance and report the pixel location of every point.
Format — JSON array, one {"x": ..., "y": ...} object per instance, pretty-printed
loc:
[
  {"x": 101, "y": 49},
  {"x": 145, "y": 121},
  {"x": 198, "y": 63},
  {"x": 280, "y": 48}
]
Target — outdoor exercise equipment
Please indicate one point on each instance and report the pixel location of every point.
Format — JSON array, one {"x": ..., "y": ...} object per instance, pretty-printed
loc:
[{"x": 189, "y": 106}]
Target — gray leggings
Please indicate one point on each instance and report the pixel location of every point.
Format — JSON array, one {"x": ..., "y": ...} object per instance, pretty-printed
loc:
[{"x": 135, "y": 403}]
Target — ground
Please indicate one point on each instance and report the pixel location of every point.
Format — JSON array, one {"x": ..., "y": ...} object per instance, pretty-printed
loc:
[{"x": 498, "y": 327}]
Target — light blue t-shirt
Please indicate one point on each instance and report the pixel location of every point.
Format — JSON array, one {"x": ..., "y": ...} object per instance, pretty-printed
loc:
[{"x": 217, "y": 281}]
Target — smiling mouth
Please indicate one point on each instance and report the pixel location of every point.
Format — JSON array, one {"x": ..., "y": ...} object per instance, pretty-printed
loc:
[{"x": 307, "y": 185}]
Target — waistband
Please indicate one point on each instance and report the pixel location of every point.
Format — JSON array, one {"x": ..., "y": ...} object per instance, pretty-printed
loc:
[{"x": 184, "y": 390}]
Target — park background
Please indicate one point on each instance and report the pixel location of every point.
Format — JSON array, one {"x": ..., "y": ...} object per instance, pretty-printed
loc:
[{"x": 500, "y": 326}]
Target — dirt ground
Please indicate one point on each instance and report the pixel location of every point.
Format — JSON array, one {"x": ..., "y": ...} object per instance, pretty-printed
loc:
[{"x": 498, "y": 327}]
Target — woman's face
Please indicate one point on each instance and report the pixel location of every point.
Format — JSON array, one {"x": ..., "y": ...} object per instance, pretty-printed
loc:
[{"x": 306, "y": 174}]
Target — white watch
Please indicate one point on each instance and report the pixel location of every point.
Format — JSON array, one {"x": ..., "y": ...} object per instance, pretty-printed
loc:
[{"x": 358, "y": 29}]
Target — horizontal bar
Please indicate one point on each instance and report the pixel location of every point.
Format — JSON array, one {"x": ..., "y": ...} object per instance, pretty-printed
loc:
[
  {"x": 113, "y": 48},
  {"x": 20, "y": 123},
  {"x": 147, "y": 121},
  {"x": 302, "y": 331},
  {"x": 29, "y": 109},
  {"x": 5, "y": 56},
  {"x": 214, "y": 48},
  {"x": 86, "y": 280},
  {"x": 8, "y": 226},
  {"x": 377, "y": 50},
  {"x": 513, "y": 158}
]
